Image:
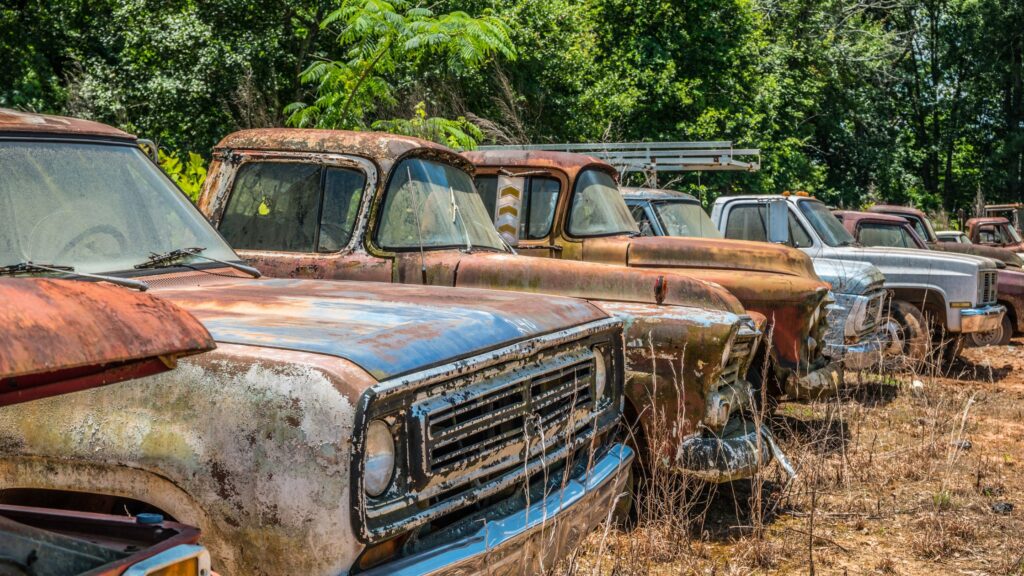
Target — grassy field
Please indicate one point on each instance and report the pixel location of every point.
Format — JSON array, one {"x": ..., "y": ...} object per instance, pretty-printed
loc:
[{"x": 901, "y": 474}]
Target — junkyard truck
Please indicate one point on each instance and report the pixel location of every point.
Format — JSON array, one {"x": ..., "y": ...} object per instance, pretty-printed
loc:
[
  {"x": 338, "y": 427},
  {"x": 566, "y": 206}
]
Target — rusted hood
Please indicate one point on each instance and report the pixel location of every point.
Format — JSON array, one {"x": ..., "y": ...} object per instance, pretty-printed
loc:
[
  {"x": 386, "y": 329},
  {"x": 59, "y": 336},
  {"x": 592, "y": 281},
  {"x": 671, "y": 252},
  {"x": 1002, "y": 254}
]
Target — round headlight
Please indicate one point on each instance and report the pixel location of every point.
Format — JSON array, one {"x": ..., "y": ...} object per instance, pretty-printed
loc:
[
  {"x": 380, "y": 458},
  {"x": 600, "y": 374}
]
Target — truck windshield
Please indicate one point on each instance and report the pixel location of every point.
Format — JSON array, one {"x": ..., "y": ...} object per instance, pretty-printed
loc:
[
  {"x": 685, "y": 218},
  {"x": 99, "y": 208},
  {"x": 1011, "y": 235},
  {"x": 829, "y": 229},
  {"x": 598, "y": 208},
  {"x": 433, "y": 205}
]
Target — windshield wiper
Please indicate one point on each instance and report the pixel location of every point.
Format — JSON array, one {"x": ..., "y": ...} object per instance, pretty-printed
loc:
[
  {"x": 28, "y": 267},
  {"x": 168, "y": 259}
]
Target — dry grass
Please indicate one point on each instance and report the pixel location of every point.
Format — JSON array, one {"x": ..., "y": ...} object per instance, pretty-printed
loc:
[{"x": 898, "y": 475}]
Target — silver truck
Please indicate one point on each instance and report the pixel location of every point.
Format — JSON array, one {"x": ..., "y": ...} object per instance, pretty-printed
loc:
[
  {"x": 854, "y": 333},
  {"x": 935, "y": 297}
]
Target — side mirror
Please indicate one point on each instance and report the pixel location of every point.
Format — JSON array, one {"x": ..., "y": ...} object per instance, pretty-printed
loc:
[
  {"x": 778, "y": 222},
  {"x": 507, "y": 208},
  {"x": 151, "y": 150}
]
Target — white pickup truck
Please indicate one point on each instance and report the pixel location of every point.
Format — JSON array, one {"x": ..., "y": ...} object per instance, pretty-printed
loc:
[{"x": 947, "y": 294}]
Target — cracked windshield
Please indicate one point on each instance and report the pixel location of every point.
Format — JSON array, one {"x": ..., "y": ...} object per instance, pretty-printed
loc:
[{"x": 96, "y": 208}]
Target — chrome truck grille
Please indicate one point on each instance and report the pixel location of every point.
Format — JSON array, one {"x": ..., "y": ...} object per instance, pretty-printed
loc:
[
  {"x": 872, "y": 314},
  {"x": 467, "y": 441},
  {"x": 987, "y": 287}
]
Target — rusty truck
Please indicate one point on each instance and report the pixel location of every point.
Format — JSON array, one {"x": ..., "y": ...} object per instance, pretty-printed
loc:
[
  {"x": 570, "y": 208},
  {"x": 339, "y": 427}
]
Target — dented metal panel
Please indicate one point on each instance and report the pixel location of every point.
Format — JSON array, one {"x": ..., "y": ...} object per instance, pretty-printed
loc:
[{"x": 60, "y": 336}]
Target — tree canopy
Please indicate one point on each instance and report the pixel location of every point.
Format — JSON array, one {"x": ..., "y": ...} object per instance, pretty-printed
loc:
[{"x": 856, "y": 102}]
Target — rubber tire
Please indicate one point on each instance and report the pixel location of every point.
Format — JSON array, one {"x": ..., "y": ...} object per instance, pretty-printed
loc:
[
  {"x": 998, "y": 337},
  {"x": 917, "y": 338}
]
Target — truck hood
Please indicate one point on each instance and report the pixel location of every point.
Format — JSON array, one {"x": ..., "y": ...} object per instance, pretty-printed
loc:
[
  {"x": 1002, "y": 254},
  {"x": 849, "y": 276},
  {"x": 672, "y": 251},
  {"x": 592, "y": 281},
  {"x": 60, "y": 336},
  {"x": 386, "y": 329},
  {"x": 914, "y": 258}
]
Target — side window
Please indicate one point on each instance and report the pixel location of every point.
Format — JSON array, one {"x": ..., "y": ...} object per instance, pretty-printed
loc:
[
  {"x": 487, "y": 188},
  {"x": 642, "y": 220},
  {"x": 283, "y": 206},
  {"x": 798, "y": 236},
  {"x": 882, "y": 235},
  {"x": 540, "y": 207},
  {"x": 987, "y": 235},
  {"x": 343, "y": 190},
  {"x": 747, "y": 222}
]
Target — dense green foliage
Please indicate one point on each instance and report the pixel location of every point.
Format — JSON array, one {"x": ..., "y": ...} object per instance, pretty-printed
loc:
[{"x": 899, "y": 100}]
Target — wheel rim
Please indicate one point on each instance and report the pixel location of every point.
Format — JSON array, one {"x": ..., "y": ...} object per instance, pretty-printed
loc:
[
  {"x": 988, "y": 338},
  {"x": 894, "y": 336}
]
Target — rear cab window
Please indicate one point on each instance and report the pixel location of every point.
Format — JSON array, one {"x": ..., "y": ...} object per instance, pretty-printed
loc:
[{"x": 292, "y": 207}]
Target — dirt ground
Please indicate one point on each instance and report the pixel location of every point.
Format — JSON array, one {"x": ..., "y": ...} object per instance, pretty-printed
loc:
[{"x": 903, "y": 474}]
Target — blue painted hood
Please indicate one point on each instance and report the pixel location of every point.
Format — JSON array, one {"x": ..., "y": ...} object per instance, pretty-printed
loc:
[{"x": 386, "y": 329}]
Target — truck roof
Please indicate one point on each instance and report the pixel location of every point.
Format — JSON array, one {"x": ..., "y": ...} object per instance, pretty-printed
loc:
[
  {"x": 380, "y": 146},
  {"x": 894, "y": 209},
  {"x": 987, "y": 220},
  {"x": 854, "y": 216},
  {"x": 654, "y": 194},
  {"x": 568, "y": 162},
  {"x": 17, "y": 122}
]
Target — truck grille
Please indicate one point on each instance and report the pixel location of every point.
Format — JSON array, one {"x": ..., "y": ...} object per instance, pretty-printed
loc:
[
  {"x": 474, "y": 438},
  {"x": 739, "y": 357},
  {"x": 987, "y": 288},
  {"x": 872, "y": 314},
  {"x": 489, "y": 419}
]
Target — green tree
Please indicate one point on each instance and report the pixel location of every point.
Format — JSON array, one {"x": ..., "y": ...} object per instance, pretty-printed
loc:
[{"x": 382, "y": 41}]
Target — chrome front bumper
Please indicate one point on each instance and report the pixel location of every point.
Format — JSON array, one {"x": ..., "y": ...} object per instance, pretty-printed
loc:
[
  {"x": 860, "y": 356},
  {"x": 531, "y": 540},
  {"x": 737, "y": 453},
  {"x": 981, "y": 319}
]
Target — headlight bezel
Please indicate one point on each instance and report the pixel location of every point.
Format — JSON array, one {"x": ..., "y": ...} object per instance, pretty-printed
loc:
[{"x": 375, "y": 482}]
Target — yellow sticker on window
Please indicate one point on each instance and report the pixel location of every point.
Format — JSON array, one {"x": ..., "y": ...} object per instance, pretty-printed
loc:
[{"x": 264, "y": 208}]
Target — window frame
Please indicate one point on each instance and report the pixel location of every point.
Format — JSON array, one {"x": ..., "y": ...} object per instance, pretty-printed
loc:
[{"x": 362, "y": 165}]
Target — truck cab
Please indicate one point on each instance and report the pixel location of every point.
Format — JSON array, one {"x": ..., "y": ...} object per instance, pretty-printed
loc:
[
  {"x": 854, "y": 334},
  {"x": 338, "y": 427},
  {"x": 339, "y": 205},
  {"x": 994, "y": 232},
  {"x": 934, "y": 296}
]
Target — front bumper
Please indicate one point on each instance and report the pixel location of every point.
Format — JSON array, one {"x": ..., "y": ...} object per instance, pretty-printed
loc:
[
  {"x": 737, "y": 453},
  {"x": 531, "y": 540},
  {"x": 981, "y": 319},
  {"x": 859, "y": 356},
  {"x": 821, "y": 383}
]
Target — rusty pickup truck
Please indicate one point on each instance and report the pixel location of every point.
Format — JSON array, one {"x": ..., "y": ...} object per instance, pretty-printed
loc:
[
  {"x": 339, "y": 427},
  {"x": 374, "y": 206},
  {"x": 58, "y": 337},
  {"x": 568, "y": 206},
  {"x": 994, "y": 232}
]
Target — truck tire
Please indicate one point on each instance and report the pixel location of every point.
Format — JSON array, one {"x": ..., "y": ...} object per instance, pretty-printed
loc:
[
  {"x": 909, "y": 326},
  {"x": 998, "y": 337}
]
